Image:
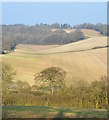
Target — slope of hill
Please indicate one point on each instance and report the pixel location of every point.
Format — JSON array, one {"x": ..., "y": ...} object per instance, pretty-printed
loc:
[
  {"x": 28, "y": 48},
  {"x": 87, "y": 44},
  {"x": 90, "y": 33},
  {"x": 88, "y": 65}
]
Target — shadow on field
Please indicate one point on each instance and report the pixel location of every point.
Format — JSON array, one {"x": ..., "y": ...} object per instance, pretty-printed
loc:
[
  {"x": 65, "y": 114},
  {"x": 60, "y": 114}
]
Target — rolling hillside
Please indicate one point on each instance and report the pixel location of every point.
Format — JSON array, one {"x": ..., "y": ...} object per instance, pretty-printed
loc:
[
  {"x": 78, "y": 59},
  {"x": 90, "y": 33},
  {"x": 83, "y": 45}
]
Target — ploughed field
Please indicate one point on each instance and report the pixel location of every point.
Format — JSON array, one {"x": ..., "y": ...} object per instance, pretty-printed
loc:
[{"x": 83, "y": 60}]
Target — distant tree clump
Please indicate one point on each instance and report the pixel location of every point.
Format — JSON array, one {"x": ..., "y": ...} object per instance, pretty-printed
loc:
[
  {"x": 101, "y": 28},
  {"x": 13, "y": 35},
  {"x": 61, "y": 37}
]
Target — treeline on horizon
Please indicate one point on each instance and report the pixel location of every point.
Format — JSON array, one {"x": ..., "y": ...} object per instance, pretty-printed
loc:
[{"x": 42, "y": 34}]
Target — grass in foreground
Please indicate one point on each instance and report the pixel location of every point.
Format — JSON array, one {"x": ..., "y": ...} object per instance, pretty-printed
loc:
[{"x": 51, "y": 112}]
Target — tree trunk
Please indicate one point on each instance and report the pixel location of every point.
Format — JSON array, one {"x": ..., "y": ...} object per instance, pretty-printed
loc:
[
  {"x": 106, "y": 99},
  {"x": 47, "y": 101},
  {"x": 96, "y": 104},
  {"x": 81, "y": 103},
  {"x": 52, "y": 91}
]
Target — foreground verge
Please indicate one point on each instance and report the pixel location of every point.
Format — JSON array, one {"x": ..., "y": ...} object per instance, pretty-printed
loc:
[{"x": 51, "y": 112}]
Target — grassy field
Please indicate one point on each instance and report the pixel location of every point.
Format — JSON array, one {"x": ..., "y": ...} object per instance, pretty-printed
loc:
[
  {"x": 51, "y": 112},
  {"x": 78, "y": 59}
]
